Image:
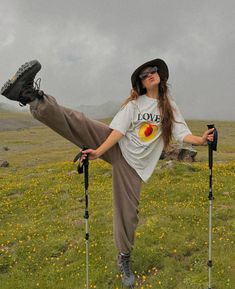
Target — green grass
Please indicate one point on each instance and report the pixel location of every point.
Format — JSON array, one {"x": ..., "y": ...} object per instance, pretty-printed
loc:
[{"x": 42, "y": 227}]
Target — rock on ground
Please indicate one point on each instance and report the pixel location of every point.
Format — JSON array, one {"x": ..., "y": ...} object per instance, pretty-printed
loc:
[{"x": 179, "y": 153}]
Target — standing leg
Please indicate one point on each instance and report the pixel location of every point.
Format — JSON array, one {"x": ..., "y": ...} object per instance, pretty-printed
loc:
[{"x": 126, "y": 194}]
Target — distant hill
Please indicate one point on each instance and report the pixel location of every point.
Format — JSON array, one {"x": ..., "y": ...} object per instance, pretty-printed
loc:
[
  {"x": 105, "y": 110},
  {"x": 4, "y": 107},
  {"x": 13, "y": 118}
]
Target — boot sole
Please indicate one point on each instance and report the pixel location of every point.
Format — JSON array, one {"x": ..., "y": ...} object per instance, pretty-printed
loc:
[{"x": 11, "y": 84}]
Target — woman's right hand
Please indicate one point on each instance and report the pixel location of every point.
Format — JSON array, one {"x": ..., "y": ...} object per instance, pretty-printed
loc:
[{"x": 93, "y": 154}]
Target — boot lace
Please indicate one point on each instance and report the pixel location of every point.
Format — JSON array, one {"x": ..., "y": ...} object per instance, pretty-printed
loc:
[
  {"x": 125, "y": 266},
  {"x": 31, "y": 88}
]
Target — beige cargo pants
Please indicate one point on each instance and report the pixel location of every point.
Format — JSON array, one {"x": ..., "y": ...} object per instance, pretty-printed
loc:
[{"x": 80, "y": 130}]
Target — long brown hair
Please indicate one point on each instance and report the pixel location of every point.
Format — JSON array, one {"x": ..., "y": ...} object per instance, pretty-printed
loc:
[{"x": 165, "y": 108}]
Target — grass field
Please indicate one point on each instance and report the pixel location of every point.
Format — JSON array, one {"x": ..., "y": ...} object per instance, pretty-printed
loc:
[{"x": 42, "y": 227}]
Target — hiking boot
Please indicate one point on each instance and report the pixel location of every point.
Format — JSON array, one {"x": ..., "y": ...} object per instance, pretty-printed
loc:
[
  {"x": 21, "y": 86},
  {"x": 128, "y": 278}
]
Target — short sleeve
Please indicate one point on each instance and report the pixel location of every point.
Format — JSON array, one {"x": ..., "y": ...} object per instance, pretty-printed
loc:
[
  {"x": 180, "y": 128},
  {"x": 123, "y": 119}
]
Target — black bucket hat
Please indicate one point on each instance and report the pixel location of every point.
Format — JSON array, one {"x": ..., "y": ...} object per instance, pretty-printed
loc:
[{"x": 162, "y": 71}]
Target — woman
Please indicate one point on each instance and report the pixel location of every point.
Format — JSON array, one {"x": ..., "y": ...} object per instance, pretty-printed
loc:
[{"x": 132, "y": 143}]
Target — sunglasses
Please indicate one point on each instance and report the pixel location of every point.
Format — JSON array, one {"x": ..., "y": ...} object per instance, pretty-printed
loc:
[{"x": 145, "y": 74}]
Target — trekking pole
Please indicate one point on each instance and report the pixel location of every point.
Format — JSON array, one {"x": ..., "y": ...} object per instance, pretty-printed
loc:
[
  {"x": 212, "y": 146},
  {"x": 84, "y": 169}
]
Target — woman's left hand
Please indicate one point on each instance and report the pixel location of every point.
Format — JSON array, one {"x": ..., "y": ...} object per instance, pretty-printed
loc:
[{"x": 208, "y": 136}]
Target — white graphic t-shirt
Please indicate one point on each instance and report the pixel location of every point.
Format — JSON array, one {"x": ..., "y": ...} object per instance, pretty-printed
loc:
[{"x": 140, "y": 123}]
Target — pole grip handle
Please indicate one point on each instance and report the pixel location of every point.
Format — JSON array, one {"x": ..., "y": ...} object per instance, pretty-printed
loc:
[{"x": 213, "y": 144}]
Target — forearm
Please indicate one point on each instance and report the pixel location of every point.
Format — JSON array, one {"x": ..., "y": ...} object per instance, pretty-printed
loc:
[
  {"x": 112, "y": 139},
  {"x": 208, "y": 135},
  {"x": 194, "y": 140}
]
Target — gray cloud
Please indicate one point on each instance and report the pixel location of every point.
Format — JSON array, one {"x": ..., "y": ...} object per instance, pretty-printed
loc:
[{"x": 88, "y": 49}]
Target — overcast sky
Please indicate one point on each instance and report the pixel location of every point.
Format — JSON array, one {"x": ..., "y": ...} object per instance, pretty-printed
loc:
[{"x": 89, "y": 49}]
